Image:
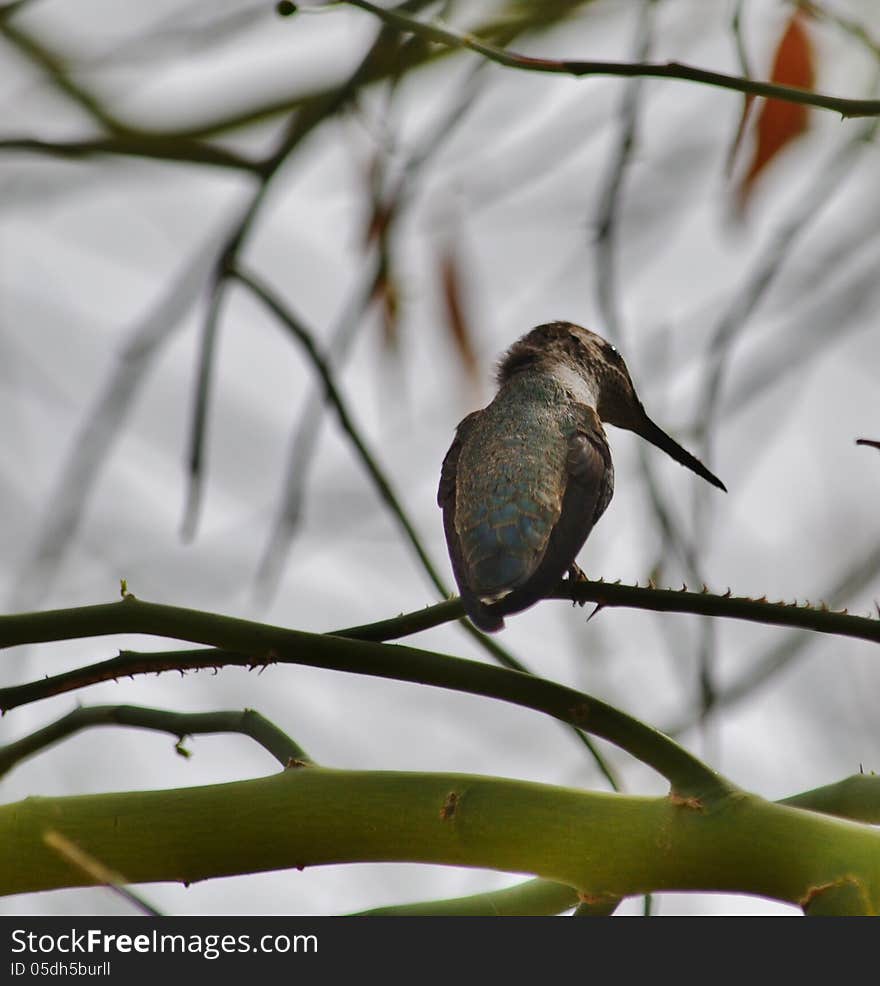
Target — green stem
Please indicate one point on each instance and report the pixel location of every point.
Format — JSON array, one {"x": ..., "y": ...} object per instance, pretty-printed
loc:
[
  {"x": 533, "y": 897},
  {"x": 256, "y": 644},
  {"x": 179, "y": 724},
  {"x": 599, "y": 844},
  {"x": 856, "y": 798}
]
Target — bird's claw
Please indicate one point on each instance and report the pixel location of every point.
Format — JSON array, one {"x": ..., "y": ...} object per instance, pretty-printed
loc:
[{"x": 575, "y": 574}]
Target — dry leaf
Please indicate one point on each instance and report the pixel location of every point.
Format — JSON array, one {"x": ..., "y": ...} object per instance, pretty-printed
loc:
[
  {"x": 454, "y": 293},
  {"x": 780, "y": 122}
]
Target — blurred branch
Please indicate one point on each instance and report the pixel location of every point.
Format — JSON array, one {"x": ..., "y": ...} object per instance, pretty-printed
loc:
[
  {"x": 96, "y": 871},
  {"x": 746, "y": 72},
  {"x": 739, "y": 41},
  {"x": 380, "y": 481},
  {"x": 204, "y": 377},
  {"x": 68, "y": 499},
  {"x": 848, "y": 305},
  {"x": 179, "y": 724},
  {"x": 862, "y": 573},
  {"x": 12, "y": 7},
  {"x": 670, "y": 70},
  {"x": 731, "y": 325},
  {"x": 301, "y": 124},
  {"x": 606, "y": 223},
  {"x": 157, "y": 148},
  {"x": 53, "y": 66},
  {"x": 611, "y": 187},
  {"x": 304, "y": 439},
  {"x": 607, "y": 296},
  {"x": 610, "y": 198},
  {"x": 848, "y": 25},
  {"x": 764, "y": 272},
  {"x": 245, "y": 643}
]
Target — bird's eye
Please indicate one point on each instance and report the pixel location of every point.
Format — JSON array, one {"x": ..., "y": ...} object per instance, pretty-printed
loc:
[{"x": 612, "y": 354}]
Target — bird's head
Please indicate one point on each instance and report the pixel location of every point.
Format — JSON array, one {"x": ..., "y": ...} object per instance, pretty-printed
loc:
[{"x": 593, "y": 372}]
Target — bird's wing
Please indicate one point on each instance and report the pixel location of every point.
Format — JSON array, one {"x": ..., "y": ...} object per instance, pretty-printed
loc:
[{"x": 474, "y": 607}]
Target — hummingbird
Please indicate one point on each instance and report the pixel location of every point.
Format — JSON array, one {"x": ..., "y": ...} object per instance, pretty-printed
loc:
[{"x": 527, "y": 477}]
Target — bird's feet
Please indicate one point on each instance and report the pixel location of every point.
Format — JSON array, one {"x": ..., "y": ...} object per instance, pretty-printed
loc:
[{"x": 575, "y": 574}]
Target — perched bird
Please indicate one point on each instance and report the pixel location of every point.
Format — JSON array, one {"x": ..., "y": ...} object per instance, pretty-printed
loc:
[{"x": 528, "y": 476}]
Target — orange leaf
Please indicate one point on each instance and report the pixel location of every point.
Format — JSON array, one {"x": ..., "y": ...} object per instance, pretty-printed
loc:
[
  {"x": 780, "y": 122},
  {"x": 456, "y": 316}
]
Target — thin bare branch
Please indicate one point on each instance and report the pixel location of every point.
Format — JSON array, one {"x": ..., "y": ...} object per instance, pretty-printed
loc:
[
  {"x": 670, "y": 70},
  {"x": 158, "y": 148},
  {"x": 97, "y": 871},
  {"x": 783, "y": 654},
  {"x": 53, "y": 66},
  {"x": 607, "y": 297},
  {"x": 98, "y": 432},
  {"x": 804, "y": 616},
  {"x": 300, "y": 125},
  {"x": 765, "y": 271}
]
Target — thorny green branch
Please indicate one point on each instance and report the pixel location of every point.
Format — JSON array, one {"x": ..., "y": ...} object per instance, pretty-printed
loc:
[
  {"x": 439, "y": 33},
  {"x": 807, "y": 617},
  {"x": 249, "y": 644},
  {"x": 247, "y": 722}
]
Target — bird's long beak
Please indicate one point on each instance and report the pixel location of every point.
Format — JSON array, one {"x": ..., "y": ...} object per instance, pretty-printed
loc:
[{"x": 656, "y": 436}]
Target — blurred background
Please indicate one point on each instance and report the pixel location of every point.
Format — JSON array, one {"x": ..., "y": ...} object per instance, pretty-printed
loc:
[{"x": 417, "y": 209}]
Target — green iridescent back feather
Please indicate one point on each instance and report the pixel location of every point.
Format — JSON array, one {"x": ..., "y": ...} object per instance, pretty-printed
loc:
[{"x": 511, "y": 479}]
